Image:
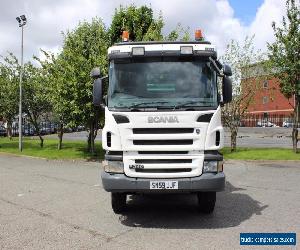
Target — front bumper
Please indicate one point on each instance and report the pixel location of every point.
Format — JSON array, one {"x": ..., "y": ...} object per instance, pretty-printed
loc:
[{"x": 122, "y": 183}]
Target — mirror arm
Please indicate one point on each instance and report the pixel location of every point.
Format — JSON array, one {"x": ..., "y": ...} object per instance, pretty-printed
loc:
[
  {"x": 216, "y": 68},
  {"x": 103, "y": 77}
]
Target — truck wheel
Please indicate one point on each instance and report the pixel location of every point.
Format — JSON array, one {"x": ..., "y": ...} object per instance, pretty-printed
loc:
[
  {"x": 206, "y": 201},
  {"x": 118, "y": 202}
]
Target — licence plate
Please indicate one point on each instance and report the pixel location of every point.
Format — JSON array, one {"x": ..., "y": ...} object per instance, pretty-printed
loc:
[{"x": 163, "y": 184}]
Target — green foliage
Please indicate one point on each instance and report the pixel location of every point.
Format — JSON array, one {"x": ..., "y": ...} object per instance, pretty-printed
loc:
[
  {"x": 142, "y": 26},
  {"x": 284, "y": 59},
  {"x": 284, "y": 53},
  {"x": 260, "y": 154},
  {"x": 179, "y": 33},
  {"x": 84, "y": 48},
  {"x": 241, "y": 57},
  {"x": 9, "y": 87},
  {"x": 71, "y": 85},
  {"x": 72, "y": 149},
  {"x": 138, "y": 21},
  {"x": 35, "y": 93}
]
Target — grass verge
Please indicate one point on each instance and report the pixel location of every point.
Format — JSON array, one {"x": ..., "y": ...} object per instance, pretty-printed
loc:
[
  {"x": 77, "y": 150},
  {"x": 261, "y": 154},
  {"x": 70, "y": 150}
]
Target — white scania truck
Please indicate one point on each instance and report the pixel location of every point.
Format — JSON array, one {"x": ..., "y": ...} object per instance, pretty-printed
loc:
[{"x": 163, "y": 128}]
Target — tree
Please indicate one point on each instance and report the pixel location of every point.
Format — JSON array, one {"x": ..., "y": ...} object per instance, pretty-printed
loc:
[
  {"x": 35, "y": 102},
  {"x": 58, "y": 79},
  {"x": 9, "y": 90},
  {"x": 142, "y": 26},
  {"x": 84, "y": 48},
  {"x": 284, "y": 58},
  {"x": 241, "y": 58},
  {"x": 139, "y": 22}
]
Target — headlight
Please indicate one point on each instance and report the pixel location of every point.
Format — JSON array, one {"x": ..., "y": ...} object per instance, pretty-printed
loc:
[
  {"x": 212, "y": 166},
  {"x": 113, "y": 166}
]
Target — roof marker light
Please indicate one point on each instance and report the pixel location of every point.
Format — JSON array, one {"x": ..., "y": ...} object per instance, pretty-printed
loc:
[
  {"x": 125, "y": 36},
  {"x": 198, "y": 35}
]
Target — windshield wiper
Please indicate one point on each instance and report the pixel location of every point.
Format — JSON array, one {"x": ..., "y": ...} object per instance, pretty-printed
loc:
[
  {"x": 183, "y": 105},
  {"x": 146, "y": 103}
]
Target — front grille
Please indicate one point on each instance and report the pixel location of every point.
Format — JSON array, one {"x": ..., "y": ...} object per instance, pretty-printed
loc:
[
  {"x": 163, "y": 130},
  {"x": 164, "y": 170},
  {"x": 163, "y": 142},
  {"x": 162, "y": 152},
  {"x": 162, "y": 161}
]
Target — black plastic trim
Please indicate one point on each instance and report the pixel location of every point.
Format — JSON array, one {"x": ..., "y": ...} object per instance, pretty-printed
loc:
[
  {"x": 212, "y": 155},
  {"x": 163, "y": 142},
  {"x": 162, "y": 53},
  {"x": 114, "y": 156},
  {"x": 163, "y": 130},
  {"x": 162, "y": 152},
  {"x": 205, "y": 117},
  {"x": 162, "y": 161},
  {"x": 121, "y": 119},
  {"x": 162, "y": 42}
]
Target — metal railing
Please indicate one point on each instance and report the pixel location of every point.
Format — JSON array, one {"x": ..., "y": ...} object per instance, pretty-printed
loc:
[{"x": 262, "y": 120}]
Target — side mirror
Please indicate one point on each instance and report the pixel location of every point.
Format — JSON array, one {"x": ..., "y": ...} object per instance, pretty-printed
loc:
[
  {"x": 227, "y": 89},
  {"x": 227, "y": 70},
  {"x": 97, "y": 87},
  {"x": 97, "y": 92}
]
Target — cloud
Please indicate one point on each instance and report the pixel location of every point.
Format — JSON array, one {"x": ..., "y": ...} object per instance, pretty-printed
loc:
[
  {"x": 48, "y": 18},
  {"x": 270, "y": 11}
]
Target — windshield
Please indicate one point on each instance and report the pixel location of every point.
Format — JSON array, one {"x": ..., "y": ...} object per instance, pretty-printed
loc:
[{"x": 162, "y": 84}]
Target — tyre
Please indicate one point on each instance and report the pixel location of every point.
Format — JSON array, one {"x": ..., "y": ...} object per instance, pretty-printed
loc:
[
  {"x": 206, "y": 201},
  {"x": 118, "y": 202}
]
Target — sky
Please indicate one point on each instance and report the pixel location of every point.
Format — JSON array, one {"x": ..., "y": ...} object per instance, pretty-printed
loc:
[{"x": 220, "y": 20}]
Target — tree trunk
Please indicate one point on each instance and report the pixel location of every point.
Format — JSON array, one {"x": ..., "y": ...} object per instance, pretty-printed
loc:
[
  {"x": 93, "y": 133},
  {"x": 60, "y": 136},
  {"x": 9, "y": 129},
  {"x": 295, "y": 125},
  {"x": 41, "y": 141},
  {"x": 91, "y": 140},
  {"x": 233, "y": 137}
]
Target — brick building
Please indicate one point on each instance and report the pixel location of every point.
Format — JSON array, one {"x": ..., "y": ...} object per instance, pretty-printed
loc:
[
  {"x": 268, "y": 100},
  {"x": 268, "y": 104}
]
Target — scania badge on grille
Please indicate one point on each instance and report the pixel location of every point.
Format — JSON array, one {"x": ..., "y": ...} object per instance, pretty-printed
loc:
[{"x": 163, "y": 119}]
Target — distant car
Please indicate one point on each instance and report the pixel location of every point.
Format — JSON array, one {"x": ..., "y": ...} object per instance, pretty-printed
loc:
[
  {"x": 28, "y": 131},
  {"x": 265, "y": 123},
  {"x": 2, "y": 130},
  {"x": 289, "y": 123}
]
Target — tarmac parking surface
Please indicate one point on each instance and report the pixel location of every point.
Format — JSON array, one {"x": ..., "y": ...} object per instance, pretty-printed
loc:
[{"x": 61, "y": 205}]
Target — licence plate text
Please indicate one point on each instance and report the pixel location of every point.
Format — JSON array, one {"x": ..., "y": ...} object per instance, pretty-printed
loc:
[{"x": 163, "y": 184}]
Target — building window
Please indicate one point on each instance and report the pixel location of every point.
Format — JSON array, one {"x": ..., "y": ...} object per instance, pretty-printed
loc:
[
  {"x": 265, "y": 99},
  {"x": 265, "y": 84}
]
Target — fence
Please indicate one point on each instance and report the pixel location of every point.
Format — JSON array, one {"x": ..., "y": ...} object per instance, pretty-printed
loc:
[
  {"x": 28, "y": 129},
  {"x": 263, "y": 120}
]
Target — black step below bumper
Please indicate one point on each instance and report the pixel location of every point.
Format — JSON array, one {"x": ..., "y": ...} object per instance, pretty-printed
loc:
[{"x": 122, "y": 183}]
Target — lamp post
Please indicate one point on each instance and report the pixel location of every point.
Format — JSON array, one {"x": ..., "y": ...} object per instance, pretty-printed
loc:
[{"x": 22, "y": 21}]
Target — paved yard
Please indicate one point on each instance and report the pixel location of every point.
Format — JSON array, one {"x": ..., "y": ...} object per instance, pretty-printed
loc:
[{"x": 61, "y": 205}]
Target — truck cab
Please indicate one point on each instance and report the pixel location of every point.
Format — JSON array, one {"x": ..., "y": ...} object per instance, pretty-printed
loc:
[{"x": 163, "y": 128}]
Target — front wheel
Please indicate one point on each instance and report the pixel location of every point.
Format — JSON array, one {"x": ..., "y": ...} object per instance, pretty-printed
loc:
[
  {"x": 118, "y": 202},
  {"x": 206, "y": 201}
]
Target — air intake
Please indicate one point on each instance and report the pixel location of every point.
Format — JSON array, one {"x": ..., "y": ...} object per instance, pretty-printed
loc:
[
  {"x": 218, "y": 136},
  {"x": 121, "y": 119},
  {"x": 108, "y": 139},
  {"x": 205, "y": 118}
]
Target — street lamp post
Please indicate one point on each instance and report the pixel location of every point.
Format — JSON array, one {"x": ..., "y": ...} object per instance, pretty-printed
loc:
[{"x": 22, "y": 21}]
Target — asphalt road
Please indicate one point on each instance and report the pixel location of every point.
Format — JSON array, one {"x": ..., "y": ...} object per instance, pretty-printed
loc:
[{"x": 61, "y": 205}]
